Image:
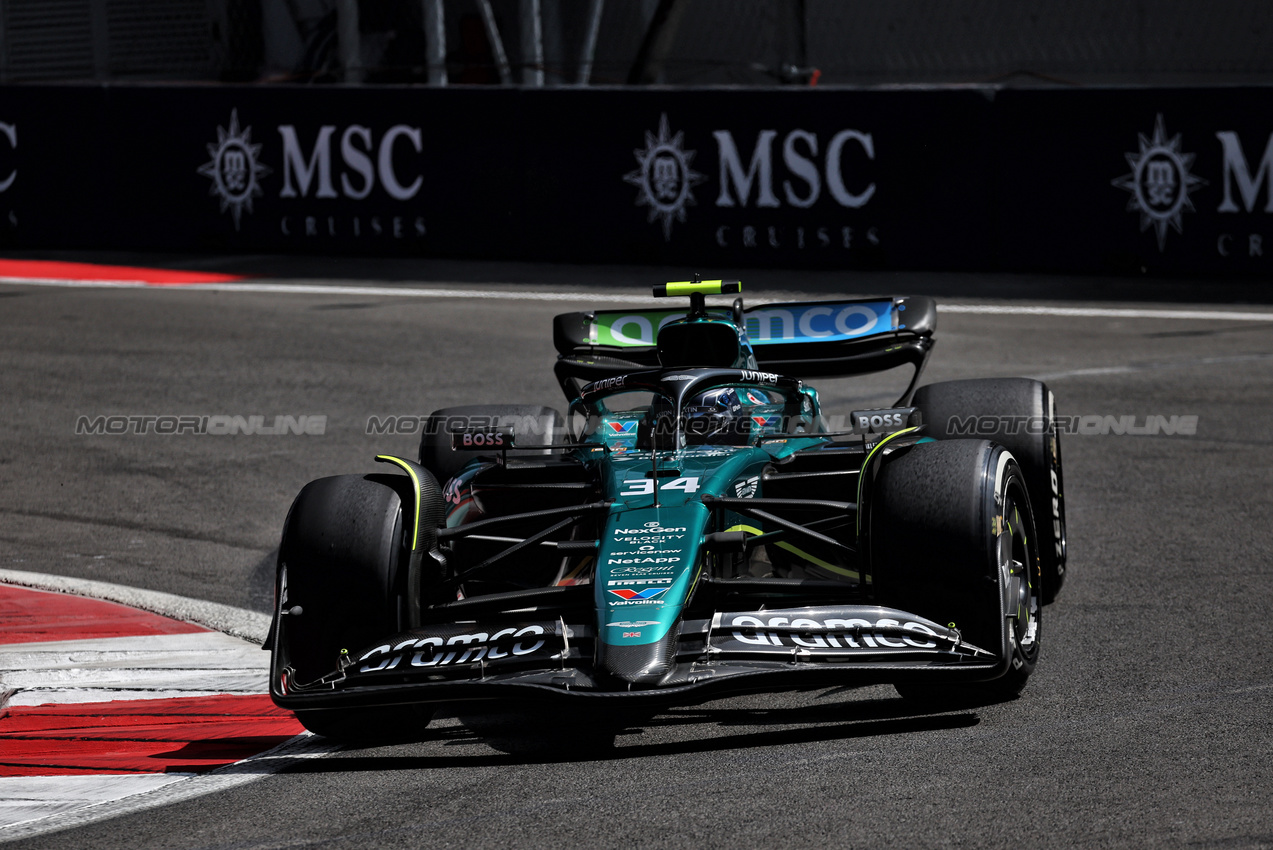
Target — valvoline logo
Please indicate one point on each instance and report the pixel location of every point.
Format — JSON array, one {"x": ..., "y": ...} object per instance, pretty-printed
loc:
[
  {"x": 623, "y": 427},
  {"x": 648, "y": 593},
  {"x": 765, "y": 421}
]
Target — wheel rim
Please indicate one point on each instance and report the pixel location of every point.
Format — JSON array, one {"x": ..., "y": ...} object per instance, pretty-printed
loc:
[{"x": 1018, "y": 564}]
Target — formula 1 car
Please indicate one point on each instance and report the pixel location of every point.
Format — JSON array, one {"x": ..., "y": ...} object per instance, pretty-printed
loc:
[{"x": 695, "y": 525}]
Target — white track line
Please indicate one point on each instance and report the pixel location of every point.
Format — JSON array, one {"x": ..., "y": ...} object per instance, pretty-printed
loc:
[
  {"x": 623, "y": 298},
  {"x": 1104, "y": 312}
]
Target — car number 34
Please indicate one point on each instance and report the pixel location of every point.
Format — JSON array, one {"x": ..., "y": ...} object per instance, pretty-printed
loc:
[{"x": 645, "y": 486}]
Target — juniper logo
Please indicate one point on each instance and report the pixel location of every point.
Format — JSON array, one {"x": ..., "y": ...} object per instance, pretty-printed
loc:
[
  {"x": 664, "y": 178},
  {"x": 234, "y": 168},
  {"x": 1160, "y": 182}
]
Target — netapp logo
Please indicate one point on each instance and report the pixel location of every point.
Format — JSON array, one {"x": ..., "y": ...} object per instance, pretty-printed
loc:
[{"x": 610, "y": 561}]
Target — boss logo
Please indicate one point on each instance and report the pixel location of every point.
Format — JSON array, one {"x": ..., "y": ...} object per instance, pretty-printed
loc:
[
  {"x": 876, "y": 421},
  {"x": 482, "y": 440}
]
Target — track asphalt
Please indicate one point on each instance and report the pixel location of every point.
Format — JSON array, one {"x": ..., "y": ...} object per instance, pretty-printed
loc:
[{"x": 1148, "y": 723}]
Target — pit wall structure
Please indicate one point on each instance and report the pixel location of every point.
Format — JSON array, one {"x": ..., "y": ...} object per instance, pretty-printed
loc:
[{"x": 1087, "y": 180}]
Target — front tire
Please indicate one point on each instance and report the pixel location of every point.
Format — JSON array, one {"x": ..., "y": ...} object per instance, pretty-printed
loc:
[
  {"x": 342, "y": 585},
  {"x": 1020, "y": 415},
  {"x": 952, "y": 539}
]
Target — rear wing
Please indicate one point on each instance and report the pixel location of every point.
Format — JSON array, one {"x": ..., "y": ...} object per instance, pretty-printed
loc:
[{"x": 801, "y": 339}]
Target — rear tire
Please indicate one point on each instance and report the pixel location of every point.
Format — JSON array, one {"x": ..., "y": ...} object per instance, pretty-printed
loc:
[
  {"x": 1020, "y": 415},
  {"x": 343, "y": 562},
  {"x": 952, "y": 539}
]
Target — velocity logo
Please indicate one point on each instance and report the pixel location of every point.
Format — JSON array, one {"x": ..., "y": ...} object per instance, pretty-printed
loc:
[{"x": 648, "y": 593}]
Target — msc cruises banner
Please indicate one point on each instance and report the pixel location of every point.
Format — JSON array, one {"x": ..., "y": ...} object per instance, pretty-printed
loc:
[{"x": 1102, "y": 180}]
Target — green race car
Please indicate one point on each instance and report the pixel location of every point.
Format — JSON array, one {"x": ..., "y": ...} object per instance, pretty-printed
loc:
[{"x": 694, "y": 525}]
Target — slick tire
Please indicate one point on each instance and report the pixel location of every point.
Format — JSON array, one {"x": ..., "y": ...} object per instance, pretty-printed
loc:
[
  {"x": 952, "y": 539},
  {"x": 343, "y": 563},
  {"x": 531, "y": 424},
  {"x": 1020, "y": 415}
]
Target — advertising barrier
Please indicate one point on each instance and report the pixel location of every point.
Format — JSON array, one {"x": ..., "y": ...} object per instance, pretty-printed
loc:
[{"x": 968, "y": 178}]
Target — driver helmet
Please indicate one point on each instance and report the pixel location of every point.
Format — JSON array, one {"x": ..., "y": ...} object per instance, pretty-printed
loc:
[{"x": 716, "y": 417}]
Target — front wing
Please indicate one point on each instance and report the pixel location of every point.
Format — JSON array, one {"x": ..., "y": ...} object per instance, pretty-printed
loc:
[{"x": 733, "y": 652}]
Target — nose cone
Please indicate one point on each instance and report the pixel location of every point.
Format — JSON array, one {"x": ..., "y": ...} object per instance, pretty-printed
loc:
[{"x": 644, "y": 664}]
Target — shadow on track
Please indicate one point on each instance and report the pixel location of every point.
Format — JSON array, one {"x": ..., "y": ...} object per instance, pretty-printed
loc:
[{"x": 538, "y": 738}]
